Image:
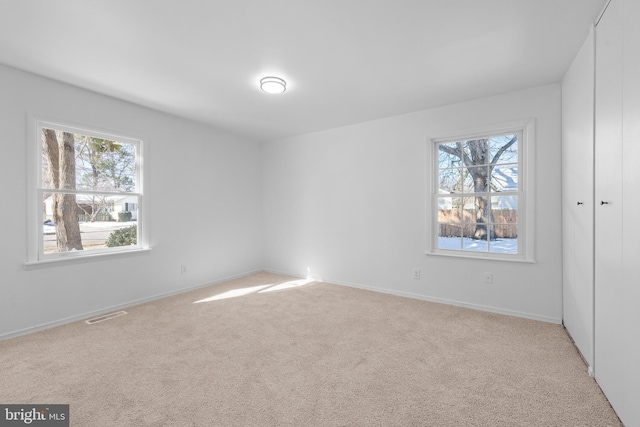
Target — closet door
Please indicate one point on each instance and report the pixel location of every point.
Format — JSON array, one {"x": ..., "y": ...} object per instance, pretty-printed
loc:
[
  {"x": 577, "y": 198},
  {"x": 631, "y": 215},
  {"x": 608, "y": 210}
]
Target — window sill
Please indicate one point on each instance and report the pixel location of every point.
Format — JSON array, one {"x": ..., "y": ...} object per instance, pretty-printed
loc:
[
  {"x": 480, "y": 257},
  {"x": 32, "y": 265}
]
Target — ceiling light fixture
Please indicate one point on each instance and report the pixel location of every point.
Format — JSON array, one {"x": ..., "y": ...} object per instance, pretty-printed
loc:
[{"x": 273, "y": 84}]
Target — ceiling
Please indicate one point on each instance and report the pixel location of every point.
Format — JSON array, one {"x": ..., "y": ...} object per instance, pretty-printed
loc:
[{"x": 345, "y": 61}]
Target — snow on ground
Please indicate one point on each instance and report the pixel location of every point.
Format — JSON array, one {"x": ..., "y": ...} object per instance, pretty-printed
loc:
[{"x": 508, "y": 246}]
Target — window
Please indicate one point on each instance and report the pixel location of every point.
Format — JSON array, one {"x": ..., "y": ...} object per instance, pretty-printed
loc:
[
  {"x": 481, "y": 195},
  {"x": 88, "y": 193}
]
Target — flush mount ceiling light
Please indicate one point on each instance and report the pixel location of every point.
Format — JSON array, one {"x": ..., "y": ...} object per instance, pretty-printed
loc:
[{"x": 273, "y": 84}]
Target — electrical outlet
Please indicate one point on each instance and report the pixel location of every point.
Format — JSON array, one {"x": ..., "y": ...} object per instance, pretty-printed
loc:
[
  {"x": 183, "y": 269},
  {"x": 416, "y": 273},
  {"x": 488, "y": 277}
]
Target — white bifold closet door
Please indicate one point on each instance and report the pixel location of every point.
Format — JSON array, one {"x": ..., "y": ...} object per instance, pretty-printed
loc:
[
  {"x": 617, "y": 210},
  {"x": 631, "y": 213},
  {"x": 608, "y": 205}
]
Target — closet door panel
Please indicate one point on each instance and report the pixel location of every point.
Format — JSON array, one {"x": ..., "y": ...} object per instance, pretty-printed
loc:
[
  {"x": 631, "y": 215},
  {"x": 577, "y": 198},
  {"x": 608, "y": 209},
  {"x": 584, "y": 226}
]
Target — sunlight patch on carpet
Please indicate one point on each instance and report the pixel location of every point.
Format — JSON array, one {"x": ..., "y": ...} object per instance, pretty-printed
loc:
[
  {"x": 257, "y": 289},
  {"x": 234, "y": 293},
  {"x": 287, "y": 285}
]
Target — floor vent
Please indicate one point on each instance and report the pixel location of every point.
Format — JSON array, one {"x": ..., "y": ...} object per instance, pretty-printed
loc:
[{"x": 105, "y": 317}]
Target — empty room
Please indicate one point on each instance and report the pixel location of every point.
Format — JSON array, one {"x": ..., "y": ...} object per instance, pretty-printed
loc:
[{"x": 320, "y": 213}]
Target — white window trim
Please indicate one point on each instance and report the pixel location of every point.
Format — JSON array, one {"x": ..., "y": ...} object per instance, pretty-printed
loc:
[
  {"x": 526, "y": 207},
  {"x": 35, "y": 256}
]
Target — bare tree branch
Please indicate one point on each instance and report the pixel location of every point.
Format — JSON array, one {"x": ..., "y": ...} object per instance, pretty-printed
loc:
[{"x": 503, "y": 149}]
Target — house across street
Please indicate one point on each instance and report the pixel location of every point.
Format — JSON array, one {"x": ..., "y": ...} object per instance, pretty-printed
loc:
[{"x": 94, "y": 234}]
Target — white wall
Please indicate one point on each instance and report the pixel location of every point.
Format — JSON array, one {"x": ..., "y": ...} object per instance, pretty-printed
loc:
[
  {"x": 204, "y": 207},
  {"x": 578, "y": 95},
  {"x": 348, "y": 205}
]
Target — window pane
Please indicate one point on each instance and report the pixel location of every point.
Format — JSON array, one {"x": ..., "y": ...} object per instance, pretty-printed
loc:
[
  {"x": 90, "y": 222},
  {"x": 481, "y": 209},
  {"x": 450, "y": 180},
  {"x": 476, "y": 180},
  {"x": 449, "y": 209},
  {"x": 447, "y": 157},
  {"x": 504, "y": 178},
  {"x": 477, "y": 152},
  {"x": 506, "y": 231},
  {"x": 505, "y": 218},
  {"x": 90, "y": 163},
  {"x": 506, "y": 239},
  {"x": 449, "y": 236},
  {"x": 505, "y": 209},
  {"x": 507, "y": 146},
  {"x": 468, "y": 209}
]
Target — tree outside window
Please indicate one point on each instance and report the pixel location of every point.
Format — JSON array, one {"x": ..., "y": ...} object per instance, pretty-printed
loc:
[
  {"x": 88, "y": 182},
  {"x": 478, "y": 191}
]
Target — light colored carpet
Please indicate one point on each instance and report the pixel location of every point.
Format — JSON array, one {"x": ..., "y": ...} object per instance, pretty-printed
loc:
[{"x": 312, "y": 355}]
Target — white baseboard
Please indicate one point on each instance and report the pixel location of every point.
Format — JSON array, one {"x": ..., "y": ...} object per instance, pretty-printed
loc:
[
  {"x": 117, "y": 307},
  {"x": 456, "y": 303},
  {"x": 489, "y": 309}
]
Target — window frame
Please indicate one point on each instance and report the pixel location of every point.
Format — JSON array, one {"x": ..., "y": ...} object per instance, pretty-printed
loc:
[
  {"x": 526, "y": 191},
  {"x": 35, "y": 190}
]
